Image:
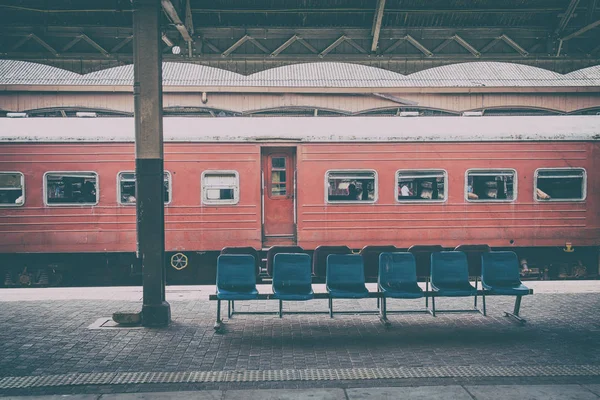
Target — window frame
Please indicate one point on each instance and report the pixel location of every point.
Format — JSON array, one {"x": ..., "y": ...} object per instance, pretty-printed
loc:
[
  {"x": 119, "y": 202},
  {"x": 583, "y": 183},
  {"x": 288, "y": 190},
  {"x": 22, "y": 189},
  {"x": 375, "y": 189},
  {"x": 515, "y": 185},
  {"x": 422, "y": 201},
  {"x": 45, "y": 189},
  {"x": 236, "y": 189}
]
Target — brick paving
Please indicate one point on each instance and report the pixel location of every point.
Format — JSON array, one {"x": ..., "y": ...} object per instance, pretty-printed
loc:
[{"x": 52, "y": 337}]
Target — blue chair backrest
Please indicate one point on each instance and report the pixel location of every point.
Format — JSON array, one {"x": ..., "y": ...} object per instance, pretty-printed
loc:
[
  {"x": 500, "y": 267},
  {"x": 397, "y": 268},
  {"x": 449, "y": 267},
  {"x": 292, "y": 270},
  {"x": 235, "y": 271},
  {"x": 345, "y": 269}
]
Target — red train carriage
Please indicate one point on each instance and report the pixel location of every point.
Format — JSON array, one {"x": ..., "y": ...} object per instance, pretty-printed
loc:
[{"x": 67, "y": 189}]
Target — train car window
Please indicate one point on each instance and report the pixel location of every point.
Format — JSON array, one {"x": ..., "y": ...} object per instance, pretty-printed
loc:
[
  {"x": 126, "y": 187},
  {"x": 220, "y": 187},
  {"x": 488, "y": 185},
  {"x": 12, "y": 189},
  {"x": 68, "y": 188},
  {"x": 351, "y": 186},
  {"x": 427, "y": 186},
  {"x": 560, "y": 184},
  {"x": 278, "y": 176}
]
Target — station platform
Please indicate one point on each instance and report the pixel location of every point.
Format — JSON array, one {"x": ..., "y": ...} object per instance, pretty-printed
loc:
[{"x": 59, "y": 341}]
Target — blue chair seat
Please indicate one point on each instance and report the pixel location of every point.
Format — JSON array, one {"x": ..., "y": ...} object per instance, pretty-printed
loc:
[
  {"x": 517, "y": 289},
  {"x": 454, "y": 289},
  {"x": 236, "y": 279},
  {"x": 295, "y": 292},
  {"x": 399, "y": 290},
  {"x": 346, "y": 277},
  {"x": 349, "y": 291},
  {"x": 291, "y": 277},
  {"x": 237, "y": 293}
]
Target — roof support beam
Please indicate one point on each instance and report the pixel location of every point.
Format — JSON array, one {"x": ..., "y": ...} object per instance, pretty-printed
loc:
[
  {"x": 71, "y": 43},
  {"x": 94, "y": 44},
  {"x": 467, "y": 45},
  {"x": 332, "y": 46},
  {"x": 284, "y": 46},
  {"x": 234, "y": 46},
  {"x": 394, "y": 45},
  {"x": 355, "y": 45},
  {"x": 307, "y": 45},
  {"x": 581, "y": 31},
  {"x": 418, "y": 45},
  {"x": 445, "y": 43},
  {"x": 591, "y": 10},
  {"x": 488, "y": 46},
  {"x": 259, "y": 45},
  {"x": 514, "y": 45},
  {"x": 376, "y": 29},
  {"x": 121, "y": 44},
  {"x": 174, "y": 17},
  {"x": 566, "y": 17},
  {"x": 211, "y": 46}
]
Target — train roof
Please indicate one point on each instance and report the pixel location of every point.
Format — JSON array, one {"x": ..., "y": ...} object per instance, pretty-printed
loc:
[{"x": 309, "y": 129}]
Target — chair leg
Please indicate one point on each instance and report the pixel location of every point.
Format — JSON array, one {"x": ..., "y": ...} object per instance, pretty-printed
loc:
[
  {"x": 232, "y": 307},
  {"x": 280, "y": 308},
  {"x": 475, "y": 305},
  {"x": 515, "y": 313},
  {"x": 218, "y": 322},
  {"x": 517, "y": 306},
  {"x": 330, "y": 307},
  {"x": 483, "y": 300},
  {"x": 229, "y": 314},
  {"x": 433, "y": 305},
  {"x": 378, "y": 291},
  {"x": 383, "y": 313},
  {"x": 427, "y": 290}
]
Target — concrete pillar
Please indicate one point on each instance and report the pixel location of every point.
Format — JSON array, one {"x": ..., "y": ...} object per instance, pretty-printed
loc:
[{"x": 147, "y": 92}]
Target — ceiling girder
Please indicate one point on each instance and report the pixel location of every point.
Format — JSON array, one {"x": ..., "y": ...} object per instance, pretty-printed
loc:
[
  {"x": 377, "y": 20},
  {"x": 174, "y": 17},
  {"x": 277, "y": 43}
]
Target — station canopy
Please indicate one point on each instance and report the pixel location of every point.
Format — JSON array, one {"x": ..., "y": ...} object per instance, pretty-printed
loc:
[{"x": 404, "y": 36}]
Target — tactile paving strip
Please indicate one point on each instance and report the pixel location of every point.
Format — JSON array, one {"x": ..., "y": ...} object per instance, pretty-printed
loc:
[{"x": 121, "y": 378}]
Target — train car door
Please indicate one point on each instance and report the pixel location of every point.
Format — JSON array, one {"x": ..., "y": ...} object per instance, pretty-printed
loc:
[{"x": 279, "y": 187}]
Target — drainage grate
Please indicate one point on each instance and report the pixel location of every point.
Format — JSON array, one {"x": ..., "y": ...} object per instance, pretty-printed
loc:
[{"x": 121, "y": 378}]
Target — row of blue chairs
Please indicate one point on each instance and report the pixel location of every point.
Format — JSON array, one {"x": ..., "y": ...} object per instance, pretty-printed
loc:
[{"x": 345, "y": 279}]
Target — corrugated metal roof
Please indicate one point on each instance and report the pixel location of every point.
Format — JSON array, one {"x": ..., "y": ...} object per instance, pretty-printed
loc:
[
  {"x": 322, "y": 74},
  {"x": 325, "y": 129}
]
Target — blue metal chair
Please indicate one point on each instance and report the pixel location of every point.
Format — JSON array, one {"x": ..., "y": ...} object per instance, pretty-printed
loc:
[
  {"x": 450, "y": 276},
  {"x": 500, "y": 276},
  {"x": 236, "y": 280},
  {"x": 397, "y": 279},
  {"x": 345, "y": 278},
  {"x": 292, "y": 278}
]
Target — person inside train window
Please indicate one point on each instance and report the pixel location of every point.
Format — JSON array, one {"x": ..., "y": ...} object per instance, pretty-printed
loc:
[
  {"x": 354, "y": 186},
  {"x": 405, "y": 190},
  {"x": 491, "y": 185},
  {"x": 88, "y": 192},
  {"x": 127, "y": 187},
  {"x": 352, "y": 192},
  {"x": 560, "y": 184},
  {"x": 71, "y": 188},
  {"x": 11, "y": 189},
  {"x": 421, "y": 186}
]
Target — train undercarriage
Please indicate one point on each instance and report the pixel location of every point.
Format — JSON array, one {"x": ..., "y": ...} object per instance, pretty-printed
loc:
[{"x": 190, "y": 268}]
